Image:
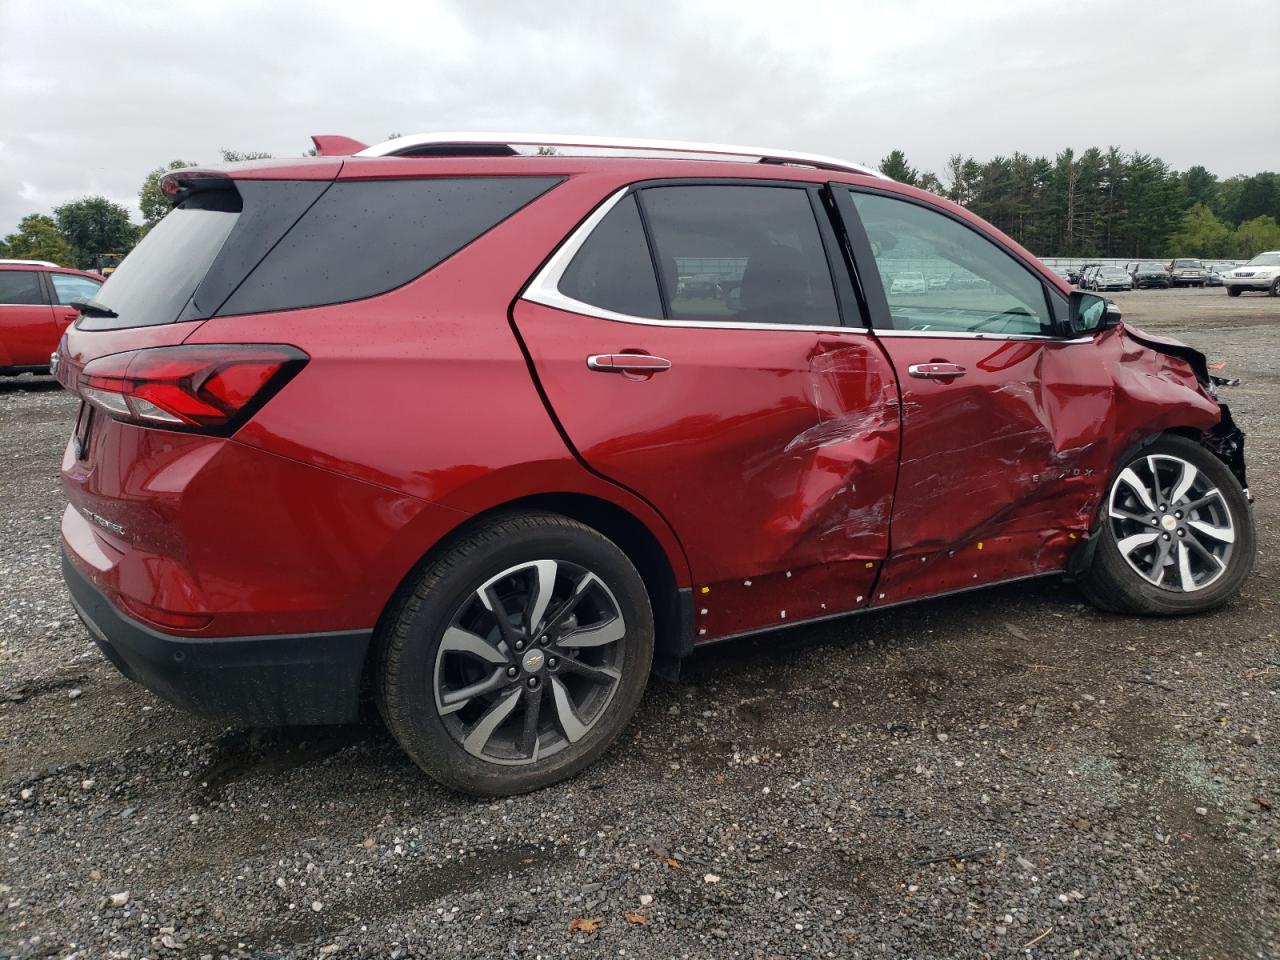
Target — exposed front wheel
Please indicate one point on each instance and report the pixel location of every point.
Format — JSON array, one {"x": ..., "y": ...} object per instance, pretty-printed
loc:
[
  {"x": 1275, "y": 287},
  {"x": 518, "y": 657},
  {"x": 1233, "y": 291},
  {"x": 1177, "y": 534}
]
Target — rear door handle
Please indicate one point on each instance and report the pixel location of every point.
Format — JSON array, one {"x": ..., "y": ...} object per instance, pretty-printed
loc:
[
  {"x": 627, "y": 363},
  {"x": 936, "y": 371}
]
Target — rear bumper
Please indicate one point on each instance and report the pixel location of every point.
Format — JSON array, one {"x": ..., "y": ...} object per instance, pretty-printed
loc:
[{"x": 264, "y": 680}]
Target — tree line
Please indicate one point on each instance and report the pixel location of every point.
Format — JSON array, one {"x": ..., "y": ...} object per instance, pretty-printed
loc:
[
  {"x": 77, "y": 233},
  {"x": 1101, "y": 203},
  {"x": 1108, "y": 203}
]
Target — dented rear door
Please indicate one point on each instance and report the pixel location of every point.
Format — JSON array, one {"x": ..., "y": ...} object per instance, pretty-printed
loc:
[{"x": 765, "y": 430}]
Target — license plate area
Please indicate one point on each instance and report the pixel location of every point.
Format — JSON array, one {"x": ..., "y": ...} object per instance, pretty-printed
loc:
[{"x": 83, "y": 429}]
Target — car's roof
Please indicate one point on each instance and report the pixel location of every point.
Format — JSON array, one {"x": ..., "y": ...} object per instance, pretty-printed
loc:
[
  {"x": 44, "y": 266},
  {"x": 612, "y": 171}
]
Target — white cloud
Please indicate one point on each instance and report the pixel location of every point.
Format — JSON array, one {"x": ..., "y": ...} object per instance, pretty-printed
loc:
[{"x": 96, "y": 96}]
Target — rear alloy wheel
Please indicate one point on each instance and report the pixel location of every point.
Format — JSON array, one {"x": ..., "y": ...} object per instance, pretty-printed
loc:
[
  {"x": 519, "y": 656},
  {"x": 1233, "y": 291},
  {"x": 1275, "y": 287},
  {"x": 1177, "y": 533}
]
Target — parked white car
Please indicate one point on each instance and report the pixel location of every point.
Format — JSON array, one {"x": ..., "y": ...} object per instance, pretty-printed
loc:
[
  {"x": 1261, "y": 273},
  {"x": 909, "y": 282}
]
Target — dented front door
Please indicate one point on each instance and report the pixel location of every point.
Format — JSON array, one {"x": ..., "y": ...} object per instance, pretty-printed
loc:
[
  {"x": 1006, "y": 422},
  {"x": 1000, "y": 466}
]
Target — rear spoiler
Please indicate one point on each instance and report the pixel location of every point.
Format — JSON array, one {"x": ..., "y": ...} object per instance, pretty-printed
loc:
[{"x": 333, "y": 145}]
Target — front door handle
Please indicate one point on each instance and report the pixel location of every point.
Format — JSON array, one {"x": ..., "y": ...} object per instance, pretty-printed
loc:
[
  {"x": 627, "y": 363},
  {"x": 936, "y": 370}
]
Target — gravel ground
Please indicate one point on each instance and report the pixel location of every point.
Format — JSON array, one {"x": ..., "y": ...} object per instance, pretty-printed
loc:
[{"x": 1003, "y": 773}]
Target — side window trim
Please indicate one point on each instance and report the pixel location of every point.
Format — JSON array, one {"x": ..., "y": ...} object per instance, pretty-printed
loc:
[
  {"x": 865, "y": 263},
  {"x": 543, "y": 288},
  {"x": 848, "y": 303},
  {"x": 664, "y": 299},
  {"x": 863, "y": 259}
]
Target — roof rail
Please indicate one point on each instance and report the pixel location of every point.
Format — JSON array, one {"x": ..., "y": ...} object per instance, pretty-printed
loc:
[
  {"x": 29, "y": 263},
  {"x": 504, "y": 144}
]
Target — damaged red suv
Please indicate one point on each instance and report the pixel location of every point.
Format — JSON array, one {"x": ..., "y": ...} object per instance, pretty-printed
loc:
[{"x": 494, "y": 435}]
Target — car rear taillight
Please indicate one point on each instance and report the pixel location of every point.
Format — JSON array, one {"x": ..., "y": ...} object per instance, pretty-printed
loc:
[{"x": 205, "y": 388}]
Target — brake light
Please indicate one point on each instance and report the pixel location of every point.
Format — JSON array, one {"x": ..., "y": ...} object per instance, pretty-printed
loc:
[{"x": 206, "y": 388}]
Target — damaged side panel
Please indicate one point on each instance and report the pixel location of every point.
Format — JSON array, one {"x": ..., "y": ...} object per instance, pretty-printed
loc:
[
  {"x": 1003, "y": 470},
  {"x": 772, "y": 453}
]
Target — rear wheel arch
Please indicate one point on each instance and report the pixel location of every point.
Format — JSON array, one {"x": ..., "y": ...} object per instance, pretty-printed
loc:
[{"x": 672, "y": 606}]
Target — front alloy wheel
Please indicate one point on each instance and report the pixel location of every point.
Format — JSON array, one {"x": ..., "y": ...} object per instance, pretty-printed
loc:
[
  {"x": 1176, "y": 534},
  {"x": 1171, "y": 524}
]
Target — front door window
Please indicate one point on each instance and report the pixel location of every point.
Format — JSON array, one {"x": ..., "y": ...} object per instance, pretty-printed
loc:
[{"x": 941, "y": 276}]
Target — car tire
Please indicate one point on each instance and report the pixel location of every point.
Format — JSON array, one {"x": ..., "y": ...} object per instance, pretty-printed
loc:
[
  {"x": 1274, "y": 290},
  {"x": 1233, "y": 291},
  {"x": 457, "y": 690},
  {"x": 1146, "y": 559}
]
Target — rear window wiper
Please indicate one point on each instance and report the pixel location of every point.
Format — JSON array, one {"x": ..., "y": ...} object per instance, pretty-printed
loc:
[{"x": 92, "y": 308}]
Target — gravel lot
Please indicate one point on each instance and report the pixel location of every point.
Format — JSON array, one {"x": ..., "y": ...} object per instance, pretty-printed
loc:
[{"x": 1008, "y": 772}]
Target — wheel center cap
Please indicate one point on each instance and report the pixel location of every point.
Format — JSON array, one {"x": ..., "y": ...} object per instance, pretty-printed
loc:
[
  {"x": 533, "y": 661},
  {"x": 1169, "y": 522}
]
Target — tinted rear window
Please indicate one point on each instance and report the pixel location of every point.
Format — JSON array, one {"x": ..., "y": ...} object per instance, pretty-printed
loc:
[
  {"x": 20, "y": 286},
  {"x": 285, "y": 244},
  {"x": 155, "y": 281},
  {"x": 745, "y": 254},
  {"x": 613, "y": 268},
  {"x": 366, "y": 237}
]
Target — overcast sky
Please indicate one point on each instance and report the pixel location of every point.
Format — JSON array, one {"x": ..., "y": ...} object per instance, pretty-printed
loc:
[{"x": 94, "y": 95}]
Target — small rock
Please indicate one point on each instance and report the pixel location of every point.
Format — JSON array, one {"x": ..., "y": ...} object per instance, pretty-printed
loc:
[
  {"x": 710, "y": 878},
  {"x": 646, "y": 899},
  {"x": 317, "y": 906},
  {"x": 74, "y": 693},
  {"x": 116, "y": 899},
  {"x": 87, "y": 784},
  {"x": 26, "y": 794},
  {"x": 1025, "y": 864},
  {"x": 1202, "y": 811}
]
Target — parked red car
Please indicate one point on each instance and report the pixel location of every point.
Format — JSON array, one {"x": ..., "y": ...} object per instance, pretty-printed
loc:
[
  {"x": 35, "y": 308},
  {"x": 495, "y": 435}
]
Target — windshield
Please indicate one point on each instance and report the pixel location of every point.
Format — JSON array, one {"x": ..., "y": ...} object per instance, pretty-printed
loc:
[
  {"x": 1112, "y": 272},
  {"x": 1265, "y": 260},
  {"x": 1186, "y": 263},
  {"x": 1158, "y": 267}
]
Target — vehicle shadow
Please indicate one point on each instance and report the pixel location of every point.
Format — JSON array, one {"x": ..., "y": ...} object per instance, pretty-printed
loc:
[{"x": 29, "y": 384}]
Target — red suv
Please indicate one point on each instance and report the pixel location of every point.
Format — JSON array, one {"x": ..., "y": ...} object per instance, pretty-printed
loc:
[
  {"x": 495, "y": 435},
  {"x": 35, "y": 308}
]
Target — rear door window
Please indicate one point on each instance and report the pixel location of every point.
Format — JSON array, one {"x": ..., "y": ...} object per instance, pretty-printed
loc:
[
  {"x": 741, "y": 254},
  {"x": 613, "y": 269},
  {"x": 21, "y": 287}
]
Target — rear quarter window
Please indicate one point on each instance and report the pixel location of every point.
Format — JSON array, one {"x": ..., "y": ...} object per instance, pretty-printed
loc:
[{"x": 365, "y": 237}]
